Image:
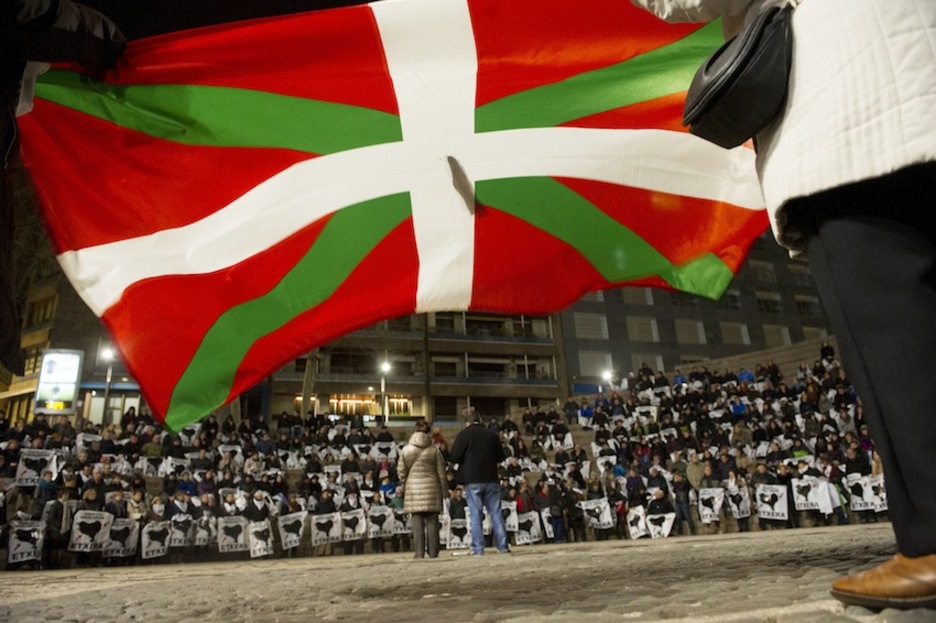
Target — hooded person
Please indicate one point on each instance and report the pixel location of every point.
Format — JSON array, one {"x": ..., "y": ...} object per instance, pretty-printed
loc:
[{"x": 422, "y": 472}]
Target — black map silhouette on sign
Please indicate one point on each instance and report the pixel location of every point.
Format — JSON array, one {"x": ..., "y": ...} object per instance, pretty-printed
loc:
[
  {"x": 736, "y": 499},
  {"x": 378, "y": 520},
  {"x": 525, "y": 526},
  {"x": 459, "y": 531},
  {"x": 35, "y": 465},
  {"x": 803, "y": 490},
  {"x": 708, "y": 503},
  {"x": 182, "y": 526},
  {"x": 262, "y": 535},
  {"x": 233, "y": 532},
  {"x": 159, "y": 536},
  {"x": 658, "y": 521},
  {"x": 635, "y": 522},
  {"x": 293, "y": 527},
  {"x": 27, "y": 536},
  {"x": 350, "y": 523},
  {"x": 769, "y": 500},
  {"x": 89, "y": 528},
  {"x": 324, "y": 526},
  {"x": 119, "y": 535}
]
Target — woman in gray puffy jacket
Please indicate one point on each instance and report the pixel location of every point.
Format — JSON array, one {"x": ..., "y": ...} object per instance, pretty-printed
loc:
[{"x": 422, "y": 473}]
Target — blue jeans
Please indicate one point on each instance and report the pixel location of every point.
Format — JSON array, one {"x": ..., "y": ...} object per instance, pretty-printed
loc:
[{"x": 488, "y": 495}]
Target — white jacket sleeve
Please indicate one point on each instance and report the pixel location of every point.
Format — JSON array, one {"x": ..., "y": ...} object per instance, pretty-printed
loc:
[{"x": 694, "y": 10}]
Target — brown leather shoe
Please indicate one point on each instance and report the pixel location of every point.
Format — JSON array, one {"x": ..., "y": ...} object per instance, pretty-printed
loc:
[{"x": 901, "y": 582}]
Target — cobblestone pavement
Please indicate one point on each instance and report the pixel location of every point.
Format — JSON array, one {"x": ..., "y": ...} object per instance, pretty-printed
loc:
[{"x": 778, "y": 576}]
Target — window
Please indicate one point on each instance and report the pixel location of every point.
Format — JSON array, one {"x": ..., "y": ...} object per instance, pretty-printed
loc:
[
  {"x": 681, "y": 299},
  {"x": 769, "y": 303},
  {"x": 591, "y": 326},
  {"x": 654, "y": 361},
  {"x": 445, "y": 407},
  {"x": 735, "y": 333},
  {"x": 594, "y": 363},
  {"x": 763, "y": 271},
  {"x": 638, "y": 296},
  {"x": 776, "y": 335},
  {"x": 490, "y": 368},
  {"x": 445, "y": 367},
  {"x": 730, "y": 300},
  {"x": 33, "y": 360},
  {"x": 808, "y": 306},
  {"x": 445, "y": 323},
  {"x": 690, "y": 332},
  {"x": 403, "y": 323},
  {"x": 642, "y": 329},
  {"x": 40, "y": 311},
  {"x": 594, "y": 297},
  {"x": 802, "y": 276},
  {"x": 814, "y": 333}
]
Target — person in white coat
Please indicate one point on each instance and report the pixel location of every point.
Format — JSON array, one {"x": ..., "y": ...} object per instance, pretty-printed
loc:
[{"x": 848, "y": 172}]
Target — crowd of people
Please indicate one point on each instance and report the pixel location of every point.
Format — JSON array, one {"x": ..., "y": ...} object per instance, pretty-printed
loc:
[{"x": 703, "y": 452}]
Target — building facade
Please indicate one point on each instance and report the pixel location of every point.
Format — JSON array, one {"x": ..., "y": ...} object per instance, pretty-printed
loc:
[
  {"x": 772, "y": 302},
  {"x": 442, "y": 364}
]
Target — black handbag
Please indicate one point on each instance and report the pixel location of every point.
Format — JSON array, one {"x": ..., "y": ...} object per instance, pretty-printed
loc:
[{"x": 741, "y": 87}]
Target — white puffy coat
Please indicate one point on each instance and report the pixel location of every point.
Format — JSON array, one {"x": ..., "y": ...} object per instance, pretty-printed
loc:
[{"x": 862, "y": 98}]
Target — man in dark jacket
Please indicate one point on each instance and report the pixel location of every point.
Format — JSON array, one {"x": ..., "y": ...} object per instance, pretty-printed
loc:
[{"x": 477, "y": 451}]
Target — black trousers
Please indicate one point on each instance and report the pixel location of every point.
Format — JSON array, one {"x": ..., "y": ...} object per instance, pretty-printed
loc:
[{"x": 872, "y": 250}]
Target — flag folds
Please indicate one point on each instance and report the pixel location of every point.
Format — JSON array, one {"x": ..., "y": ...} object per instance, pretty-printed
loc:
[{"x": 230, "y": 197}]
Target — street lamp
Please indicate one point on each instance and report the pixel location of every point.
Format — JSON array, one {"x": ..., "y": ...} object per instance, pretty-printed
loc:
[
  {"x": 384, "y": 370},
  {"x": 107, "y": 354}
]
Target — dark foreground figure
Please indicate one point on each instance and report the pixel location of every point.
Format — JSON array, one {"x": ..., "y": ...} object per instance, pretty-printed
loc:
[{"x": 849, "y": 178}]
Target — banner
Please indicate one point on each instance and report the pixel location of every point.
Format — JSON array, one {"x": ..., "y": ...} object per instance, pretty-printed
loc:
[
  {"x": 89, "y": 531},
  {"x": 326, "y": 528},
  {"x": 32, "y": 463},
  {"x": 232, "y": 534},
  {"x": 546, "y": 517},
  {"x": 878, "y": 493},
  {"x": 739, "y": 503},
  {"x": 806, "y": 493},
  {"x": 291, "y": 528},
  {"x": 509, "y": 511},
  {"x": 402, "y": 522},
  {"x": 598, "y": 514},
  {"x": 459, "y": 537},
  {"x": 26, "y": 541},
  {"x": 861, "y": 497},
  {"x": 637, "y": 522},
  {"x": 772, "y": 502},
  {"x": 123, "y": 538},
  {"x": 660, "y": 526},
  {"x": 206, "y": 530},
  {"x": 528, "y": 528},
  {"x": 710, "y": 504},
  {"x": 154, "y": 537},
  {"x": 260, "y": 538},
  {"x": 353, "y": 525},
  {"x": 183, "y": 530},
  {"x": 380, "y": 522}
]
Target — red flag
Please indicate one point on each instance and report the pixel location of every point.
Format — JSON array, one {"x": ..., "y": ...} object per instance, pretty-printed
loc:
[{"x": 228, "y": 198}]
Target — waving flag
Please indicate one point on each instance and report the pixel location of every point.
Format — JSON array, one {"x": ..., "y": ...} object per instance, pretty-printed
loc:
[{"x": 233, "y": 196}]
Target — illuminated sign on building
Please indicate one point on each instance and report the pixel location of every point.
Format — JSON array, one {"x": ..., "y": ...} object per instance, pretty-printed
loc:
[{"x": 58, "y": 381}]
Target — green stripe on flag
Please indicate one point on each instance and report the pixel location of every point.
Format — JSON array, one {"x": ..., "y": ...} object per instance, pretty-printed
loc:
[
  {"x": 615, "y": 251},
  {"x": 223, "y": 116},
  {"x": 344, "y": 242},
  {"x": 657, "y": 73}
]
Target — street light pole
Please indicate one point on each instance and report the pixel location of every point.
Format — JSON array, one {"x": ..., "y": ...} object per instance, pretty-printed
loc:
[
  {"x": 107, "y": 355},
  {"x": 384, "y": 370}
]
